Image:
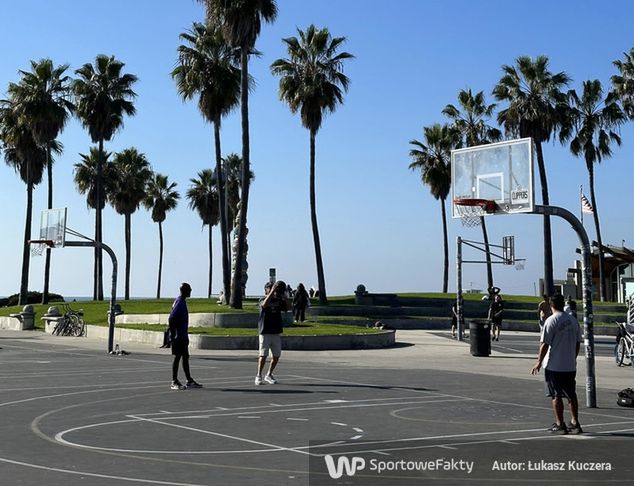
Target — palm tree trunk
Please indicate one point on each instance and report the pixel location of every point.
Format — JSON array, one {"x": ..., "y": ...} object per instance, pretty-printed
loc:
[
  {"x": 321, "y": 281},
  {"x": 26, "y": 250},
  {"x": 211, "y": 263},
  {"x": 445, "y": 275},
  {"x": 226, "y": 269},
  {"x": 236, "y": 283},
  {"x": 597, "y": 226},
  {"x": 485, "y": 236},
  {"x": 160, "y": 269},
  {"x": 128, "y": 257},
  {"x": 549, "y": 286},
  {"x": 47, "y": 264}
]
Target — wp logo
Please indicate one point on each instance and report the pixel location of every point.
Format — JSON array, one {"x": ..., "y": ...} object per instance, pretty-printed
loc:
[{"x": 350, "y": 466}]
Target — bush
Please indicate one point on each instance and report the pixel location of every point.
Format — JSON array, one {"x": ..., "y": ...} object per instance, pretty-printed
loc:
[{"x": 31, "y": 298}]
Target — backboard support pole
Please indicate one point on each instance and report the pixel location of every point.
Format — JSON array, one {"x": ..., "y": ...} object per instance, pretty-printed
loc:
[
  {"x": 588, "y": 318},
  {"x": 113, "y": 294}
]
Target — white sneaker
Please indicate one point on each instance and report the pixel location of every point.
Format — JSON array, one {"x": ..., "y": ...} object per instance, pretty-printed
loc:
[
  {"x": 270, "y": 379},
  {"x": 258, "y": 380}
]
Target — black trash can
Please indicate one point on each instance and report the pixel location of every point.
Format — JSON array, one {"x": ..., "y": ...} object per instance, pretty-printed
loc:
[{"x": 480, "y": 338}]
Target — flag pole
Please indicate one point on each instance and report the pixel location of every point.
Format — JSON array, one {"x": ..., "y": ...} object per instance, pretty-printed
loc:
[{"x": 581, "y": 202}]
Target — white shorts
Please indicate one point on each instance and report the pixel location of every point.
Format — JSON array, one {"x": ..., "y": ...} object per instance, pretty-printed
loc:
[{"x": 272, "y": 342}]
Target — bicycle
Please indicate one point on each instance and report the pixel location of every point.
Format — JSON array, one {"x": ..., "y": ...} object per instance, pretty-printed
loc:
[
  {"x": 624, "y": 348},
  {"x": 71, "y": 324}
]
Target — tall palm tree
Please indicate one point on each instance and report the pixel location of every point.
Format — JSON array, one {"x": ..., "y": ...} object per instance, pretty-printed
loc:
[
  {"x": 470, "y": 119},
  {"x": 206, "y": 68},
  {"x": 85, "y": 177},
  {"x": 103, "y": 97},
  {"x": 161, "y": 196},
  {"x": 132, "y": 172},
  {"x": 623, "y": 82},
  {"x": 537, "y": 109},
  {"x": 42, "y": 100},
  {"x": 232, "y": 174},
  {"x": 592, "y": 130},
  {"x": 28, "y": 159},
  {"x": 312, "y": 82},
  {"x": 433, "y": 158},
  {"x": 203, "y": 198},
  {"x": 241, "y": 21}
]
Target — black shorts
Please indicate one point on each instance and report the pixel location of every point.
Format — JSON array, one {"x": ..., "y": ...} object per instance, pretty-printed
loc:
[
  {"x": 561, "y": 384},
  {"x": 180, "y": 347}
]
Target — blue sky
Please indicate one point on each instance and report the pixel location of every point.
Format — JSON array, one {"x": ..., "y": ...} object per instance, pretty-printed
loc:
[{"x": 378, "y": 224}]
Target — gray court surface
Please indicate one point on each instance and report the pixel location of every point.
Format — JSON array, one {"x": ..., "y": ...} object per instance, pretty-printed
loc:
[{"x": 423, "y": 411}]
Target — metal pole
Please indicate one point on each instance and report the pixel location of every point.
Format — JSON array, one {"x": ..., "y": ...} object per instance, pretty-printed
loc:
[
  {"x": 113, "y": 294},
  {"x": 586, "y": 271},
  {"x": 459, "y": 300}
]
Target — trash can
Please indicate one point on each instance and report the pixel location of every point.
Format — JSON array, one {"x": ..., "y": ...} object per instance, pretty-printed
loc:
[{"x": 480, "y": 338}]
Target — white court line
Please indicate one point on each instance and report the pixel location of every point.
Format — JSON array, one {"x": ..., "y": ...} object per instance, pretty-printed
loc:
[
  {"x": 339, "y": 423},
  {"x": 505, "y": 347},
  {"x": 457, "y": 436},
  {"x": 248, "y": 417},
  {"x": 298, "y": 419},
  {"x": 356, "y": 437},
  {"x": 95, "y": 475},
  {"x": 483, "y": 400}
]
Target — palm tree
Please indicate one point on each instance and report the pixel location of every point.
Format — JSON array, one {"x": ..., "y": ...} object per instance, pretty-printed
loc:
[
  {"x": 206, "y": 67},
  {"x": 593, "y": 121},
  {"x": 203, "y": 197},
  {"x": 28, "y": 159},
  {"x": 103, "y": 97},
  {"x": 240, "y": 22},
  {"x": 312, "y": 82},
  {"x": 471, "y": 121},
  {"x": 232, "y": 174},
  {"x": 42, "y": 100},
  {"x": 536, "y": 108},
  {"x": 160, "y": 197},
  {"x": 85, "y": 177},
  {"x": 132, "y": 172},
  {"x": 623, "y": 83},
  {"x": 433, "y": 158}
]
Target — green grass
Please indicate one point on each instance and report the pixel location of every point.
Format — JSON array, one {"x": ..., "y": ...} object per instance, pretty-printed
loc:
[
  {"x": 305, "y": 329},
  {"x": 97, "y": 312}
]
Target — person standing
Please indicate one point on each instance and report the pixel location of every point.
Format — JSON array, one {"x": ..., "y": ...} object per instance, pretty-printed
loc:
[
  {"x": 270, "y": 328},
  {"x": 300, "y": 302},
  {"x": 178, "y": 321},
  {"x": 543, "y": 312},
  {"x": 559, "y": 348},
  {"x": 496, "y": 311}
]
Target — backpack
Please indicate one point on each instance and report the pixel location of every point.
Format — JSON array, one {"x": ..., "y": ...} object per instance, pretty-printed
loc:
[{"x": 626, "y": 398}]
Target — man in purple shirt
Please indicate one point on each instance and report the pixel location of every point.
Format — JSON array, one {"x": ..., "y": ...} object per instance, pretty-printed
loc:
[{"x": 178, "y": 323}]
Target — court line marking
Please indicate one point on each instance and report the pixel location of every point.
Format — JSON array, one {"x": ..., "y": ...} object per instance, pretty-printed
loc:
[
  {"x": 484, "y": 400},
  {"x": 456, "y": 436},
  {"x": 95, "y": 475}
]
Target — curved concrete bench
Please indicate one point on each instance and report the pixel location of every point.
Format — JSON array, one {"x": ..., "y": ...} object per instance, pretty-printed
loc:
[
  {"x": 381, "y": 339},
  {"x": 202, "y": 319}
]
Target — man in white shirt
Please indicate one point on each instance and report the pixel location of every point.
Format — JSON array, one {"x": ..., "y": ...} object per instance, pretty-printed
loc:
[{"x": 559, "y": 347}]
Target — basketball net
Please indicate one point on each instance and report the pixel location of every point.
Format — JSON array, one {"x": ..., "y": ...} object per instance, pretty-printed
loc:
[
  {"x": 470, "y": 215},
  {"x": 37, "y": 249}
]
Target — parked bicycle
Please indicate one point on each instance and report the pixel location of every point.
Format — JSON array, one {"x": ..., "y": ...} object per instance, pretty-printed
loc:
[
  {"x": 624, "y": 348},
  {"x": 71, "y": 323}
]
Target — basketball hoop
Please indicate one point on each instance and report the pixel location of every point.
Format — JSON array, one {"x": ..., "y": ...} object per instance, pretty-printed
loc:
[
  {"x": 471, "y": 209},
  {"x": 38, "y": 246}
]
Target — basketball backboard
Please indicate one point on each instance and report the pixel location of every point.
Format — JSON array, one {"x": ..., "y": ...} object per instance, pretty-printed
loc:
[
  {"x": 500, "y": 172},
  {"x": 53, "y": 226}
]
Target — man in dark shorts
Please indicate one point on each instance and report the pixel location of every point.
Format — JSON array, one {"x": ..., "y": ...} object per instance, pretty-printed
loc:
[
  {"x": 559, "y": 346},
  {"x": 178, "y": 324},
  {"x": 270, "y": 328}
]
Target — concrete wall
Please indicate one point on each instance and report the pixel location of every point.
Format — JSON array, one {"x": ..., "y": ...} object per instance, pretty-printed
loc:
[
  {"x": 246, "y": 320},
  {"x": 13, "y": 324},
  {"x": 198, "y": 341}
]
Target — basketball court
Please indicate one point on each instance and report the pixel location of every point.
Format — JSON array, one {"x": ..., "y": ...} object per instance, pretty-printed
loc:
[{"x": 74, "y": 415}]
